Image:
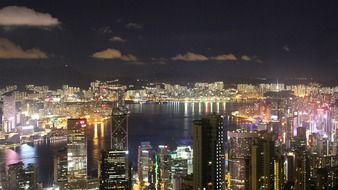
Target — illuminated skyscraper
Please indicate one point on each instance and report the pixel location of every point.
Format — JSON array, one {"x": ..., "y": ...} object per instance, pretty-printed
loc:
[
  {"x": 115, "y": 161},
  {"x": 22, "y": 178},
  {"x": 77, "y": 153},
  {"x": 146, "y": 169},
  {"x": 208, "y": 159},
  {"x": 253, "y": 161},
  {"x": 239, "y": 158},
  {"x": 9, "y": 113},
  {"x": 60, "y": 168},
  {"x": 163, "y": 163},
  {"x": 181, "y": 165},
  {"x": 262, "y": 163},
  {"x": 113, "y": 175},
  {"x": 119, "y": 140}
]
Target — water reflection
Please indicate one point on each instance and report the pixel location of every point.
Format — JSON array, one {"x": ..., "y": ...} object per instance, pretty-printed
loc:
[{"x": 11, "y": 157}]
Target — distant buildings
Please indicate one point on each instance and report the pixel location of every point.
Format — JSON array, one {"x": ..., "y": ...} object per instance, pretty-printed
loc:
[
  {"x": 9, "y": 113},
  {"x": 286, "y": 137}
]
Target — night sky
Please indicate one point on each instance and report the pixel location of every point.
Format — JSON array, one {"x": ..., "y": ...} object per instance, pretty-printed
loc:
[{"x": 69, "y": 41}]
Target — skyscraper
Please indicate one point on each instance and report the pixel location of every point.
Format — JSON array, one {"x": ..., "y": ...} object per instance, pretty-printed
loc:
[
  {"x": 163, "y": 163},
  {"x": 77, "y": 153},
  {"x": 22, "y": 178},
  {"x": 115, "y": 167},
  {"x": 113, "y": 175},
  {"x": 9, "y": 113},
  {"x": 146, "y": 169},
  {"x": 60, "y": 168},
  {"x": 181, "y": 166},
  {"x": 262, "y": 163},
  {"x": 208, "y": 154},
  {"x": 239, "y": 152},
  {"x": 119, "y": 139}
]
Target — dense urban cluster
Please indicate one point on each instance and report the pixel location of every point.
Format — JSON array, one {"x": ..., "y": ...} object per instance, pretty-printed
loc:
[{"x": 283, "y": 136}]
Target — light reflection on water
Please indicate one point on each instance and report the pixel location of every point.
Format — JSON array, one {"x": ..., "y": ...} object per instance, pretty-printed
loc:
[
  {"x": 25, "y": 153},
  {"x": 158, "y": 123}
]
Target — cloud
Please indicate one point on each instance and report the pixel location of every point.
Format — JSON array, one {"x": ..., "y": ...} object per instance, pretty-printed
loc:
[
  {"x": 117, "y": 39},
  {"x": 286, "y": 48},
  {"x": 259, "y": 60},
  {"x": 8, "y": 50},
  {"x": 225, "y": 57},
  {"x": 105, "y": 30},
  {"x": 222, "y": 57},
  {"x": 133, "y": 25},
  {"x": 22, "y": 16},
  {"x": 114, "y": 54},
  {"x": 190, "y": 57},
  {"x": 245, "y": 58},
  {"x": 159, "y": 61}
]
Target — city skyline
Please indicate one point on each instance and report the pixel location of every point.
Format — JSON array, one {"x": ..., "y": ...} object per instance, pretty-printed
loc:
[{"x": 168, "y": 95}]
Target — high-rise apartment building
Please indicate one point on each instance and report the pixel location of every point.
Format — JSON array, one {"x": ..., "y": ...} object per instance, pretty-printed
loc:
[{"x": 208, "y": 154}]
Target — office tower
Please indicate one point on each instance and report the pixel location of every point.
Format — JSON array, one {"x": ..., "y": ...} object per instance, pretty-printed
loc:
[
  {"x": 182, "y": 161},
  {"x": 77, "y": 153},
  {"x": 119, "y": 139},
  {"x": 181, "y": 165},
  {"x": 145, "y": 169},
  {"x": 9, "y": 113},
  {"x": 163, "y": 163},
  {"x": 115, "y": 162},
  {"x": 208, "y": 159},
  {"x": 22, "y": 178},
  {"x": 60, "y": 168},
  {"x": 112, "y": 176}
]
